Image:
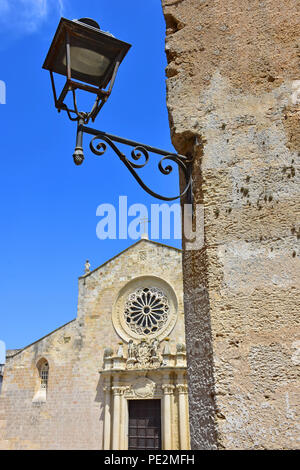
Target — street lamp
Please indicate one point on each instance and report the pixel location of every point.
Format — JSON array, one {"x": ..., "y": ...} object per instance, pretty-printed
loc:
[{"x": 89, "y": 58}]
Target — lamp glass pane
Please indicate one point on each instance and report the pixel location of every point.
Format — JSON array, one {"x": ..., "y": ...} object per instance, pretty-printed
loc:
[
  {"x": 87, "y": 61},
  {"x": 93, "y": 53}
]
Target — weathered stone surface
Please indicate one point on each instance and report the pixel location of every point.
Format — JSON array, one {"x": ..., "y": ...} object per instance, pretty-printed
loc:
[{"x": 233, "y": 100}]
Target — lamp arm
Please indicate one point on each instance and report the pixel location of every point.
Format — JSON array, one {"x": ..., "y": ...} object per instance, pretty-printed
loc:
[{"x": 139, "y": 151}]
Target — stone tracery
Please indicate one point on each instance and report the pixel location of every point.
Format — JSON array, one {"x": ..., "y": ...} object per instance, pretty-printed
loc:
[{"x": 146, "y": 310}]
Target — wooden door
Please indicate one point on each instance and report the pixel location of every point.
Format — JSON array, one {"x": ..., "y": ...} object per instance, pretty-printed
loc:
[{"x": 144, "y": 431}]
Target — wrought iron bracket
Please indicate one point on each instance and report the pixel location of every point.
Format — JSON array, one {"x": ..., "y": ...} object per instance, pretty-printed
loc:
[{"x": 102, "y": 140}]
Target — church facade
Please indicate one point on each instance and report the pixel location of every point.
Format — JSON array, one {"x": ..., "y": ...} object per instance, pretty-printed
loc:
[{"x": 114, "y": 377}]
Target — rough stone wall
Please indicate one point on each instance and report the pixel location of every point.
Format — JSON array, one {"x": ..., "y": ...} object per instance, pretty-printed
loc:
[
  {"x": 72, "y": 416},
  {"x": 232, "y": 81}
]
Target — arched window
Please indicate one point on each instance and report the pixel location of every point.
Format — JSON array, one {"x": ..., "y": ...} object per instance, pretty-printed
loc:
[
  {"x": 42, "y": 386},
  {"x": 44, "y": 372}
]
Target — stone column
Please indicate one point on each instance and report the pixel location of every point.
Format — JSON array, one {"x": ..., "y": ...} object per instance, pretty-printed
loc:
[
  {"x": 117, "y": 391},
  {"x": 167, "y": 416},
  {"x": 107, "y": 417},
  {"x": 183, "y": 416},
  {"x": 123, "y": 420}
]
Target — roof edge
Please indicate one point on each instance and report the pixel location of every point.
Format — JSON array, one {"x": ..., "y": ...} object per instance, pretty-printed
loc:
[
  {"x": 123, "y": 251},
  {"x": 18, "y": 351}
]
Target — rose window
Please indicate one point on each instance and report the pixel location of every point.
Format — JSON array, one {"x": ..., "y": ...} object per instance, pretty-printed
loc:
[{"x": 146, "y": 310}]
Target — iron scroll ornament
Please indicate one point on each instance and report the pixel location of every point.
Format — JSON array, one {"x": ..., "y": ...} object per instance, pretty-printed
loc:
[{"x": 102, "y": 140}]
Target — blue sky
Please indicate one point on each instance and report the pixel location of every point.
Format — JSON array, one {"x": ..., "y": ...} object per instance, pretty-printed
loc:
[{"x": 48, "y": 209}]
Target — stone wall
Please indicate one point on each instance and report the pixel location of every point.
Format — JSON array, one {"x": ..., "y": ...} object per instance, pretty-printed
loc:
[
  {"x": 232, "y": 95},
  {"x": 72, "y": 415}
]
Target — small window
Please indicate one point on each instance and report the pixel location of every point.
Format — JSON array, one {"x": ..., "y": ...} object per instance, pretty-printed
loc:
[
  {"x": 44, "y": 370},
  {"x": 42, "y": 386}
]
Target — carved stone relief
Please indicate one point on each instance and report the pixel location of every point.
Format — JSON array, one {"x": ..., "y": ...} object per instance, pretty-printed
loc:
[
  {"x": 143, "y": 387},
  {"x": 144, "y": 355}
]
